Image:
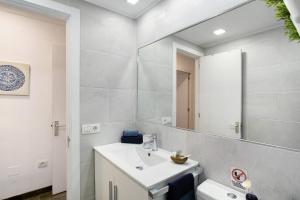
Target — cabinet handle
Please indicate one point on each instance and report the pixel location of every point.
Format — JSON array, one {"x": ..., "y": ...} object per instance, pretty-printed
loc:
[
  {"x": 115, "y": 192},
  {"x": 110, "y": 190}
]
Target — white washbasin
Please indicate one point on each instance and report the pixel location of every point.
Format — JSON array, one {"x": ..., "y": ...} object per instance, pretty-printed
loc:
[
  {"x": 148, "y": 159},
  {"x": 145, "y": 166},
  {"x": 137, "y": 157}
]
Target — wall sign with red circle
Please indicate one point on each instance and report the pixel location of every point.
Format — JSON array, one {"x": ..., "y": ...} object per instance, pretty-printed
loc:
[{"x": 238, "y": 176}]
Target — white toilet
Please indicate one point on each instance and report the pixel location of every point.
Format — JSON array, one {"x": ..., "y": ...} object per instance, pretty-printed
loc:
[{"x": 211, "y": 190}]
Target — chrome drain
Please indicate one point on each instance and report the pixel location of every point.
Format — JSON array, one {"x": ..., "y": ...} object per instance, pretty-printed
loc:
[
  {"x": 139, "y": 167},
  {"x": 231, "y": 195}
]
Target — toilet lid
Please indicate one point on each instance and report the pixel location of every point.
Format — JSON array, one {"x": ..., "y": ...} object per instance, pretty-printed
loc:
[{"x": 211, "y": 190}]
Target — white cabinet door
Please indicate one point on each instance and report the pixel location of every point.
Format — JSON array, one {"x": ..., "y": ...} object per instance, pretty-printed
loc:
[
  {"x": 104, "y": 175},
  {"x": 126, "y": 188},
  {"x": 113, "y": 184},
  {"x": 220, "y": 94}
]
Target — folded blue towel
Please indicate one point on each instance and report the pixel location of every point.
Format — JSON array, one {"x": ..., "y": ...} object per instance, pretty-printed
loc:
[
  {"x": 132, "y": 139},
  {"x": 130, "y": 133},
  {"x": 182, "y": 188}
]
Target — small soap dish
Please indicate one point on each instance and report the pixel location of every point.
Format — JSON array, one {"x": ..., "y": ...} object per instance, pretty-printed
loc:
[{"x": 179, "y": 159}]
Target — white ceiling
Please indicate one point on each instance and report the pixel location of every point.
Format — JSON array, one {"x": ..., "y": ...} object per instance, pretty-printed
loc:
[
  {"x": 122, "y": 7},
  {"x": 249, "y": 19}
]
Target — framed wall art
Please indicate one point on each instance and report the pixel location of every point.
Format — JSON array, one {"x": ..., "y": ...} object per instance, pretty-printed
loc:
[{"x": 14, "y": 78}]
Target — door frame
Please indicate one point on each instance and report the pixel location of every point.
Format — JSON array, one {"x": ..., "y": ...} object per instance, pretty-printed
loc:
[
  {"x": 71, "y": 16},
  {"x": 194, "y": 54}
]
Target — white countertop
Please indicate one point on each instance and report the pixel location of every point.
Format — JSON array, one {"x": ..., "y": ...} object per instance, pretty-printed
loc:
[{"x": 151, "y": 175}]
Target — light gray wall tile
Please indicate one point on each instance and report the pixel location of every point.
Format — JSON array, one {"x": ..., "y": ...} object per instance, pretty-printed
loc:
[
  {"x": 275, "y": 78},
  {"x": 153, "y": 76},
  {"x": 106, "y": 70},
  {"x": 146, "y": 105},
  {"x": 87, "y": 176},
  {"x": 163, "y": 105},
  {"x": 159, "y": 52},
  {"x": 122, "y": 105},
  {"x": 264, "y": 79},
  {"x": 104, "y": 31},
  {"x": 94, "y": 105},
  {"x": 290, "y": 77},
  {"x": 94, "y": 71},
  {"x": 262, "y": 105},
  {"x": 274, "y": 132},
  {"x": 289, "y": 106}
]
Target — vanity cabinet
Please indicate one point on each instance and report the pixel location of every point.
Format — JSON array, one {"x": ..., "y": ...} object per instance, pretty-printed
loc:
[{"x": 113, "y": 184}]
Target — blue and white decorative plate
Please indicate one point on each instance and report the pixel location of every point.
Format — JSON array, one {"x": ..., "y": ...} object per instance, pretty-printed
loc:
[{"x": 11, "y": 78}]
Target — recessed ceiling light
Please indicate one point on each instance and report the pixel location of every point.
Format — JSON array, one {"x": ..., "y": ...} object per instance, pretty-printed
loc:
[
  {"x": 133, "y": 2},
  {"x": 219, "y": 32}
]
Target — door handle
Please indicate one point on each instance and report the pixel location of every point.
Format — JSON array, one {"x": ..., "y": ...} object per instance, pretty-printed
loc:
[
  {"x": 236, "y": 126},
  {"x": 115, "y": 192},
  {"x": 68, "y": 141},
  {"x": 110, "y": 190},
  {"x": 55, "y": 126}
]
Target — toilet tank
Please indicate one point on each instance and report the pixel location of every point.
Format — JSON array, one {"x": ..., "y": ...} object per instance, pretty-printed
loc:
[{"x": 211, "y": 190}]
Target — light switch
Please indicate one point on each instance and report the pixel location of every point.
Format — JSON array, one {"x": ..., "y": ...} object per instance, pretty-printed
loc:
[{"x": 90, "y": 129}]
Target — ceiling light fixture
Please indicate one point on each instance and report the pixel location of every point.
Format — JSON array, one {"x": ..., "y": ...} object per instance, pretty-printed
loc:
[
  {"x": 219, "y": 32},
  {"x": 133, "y": 2}
]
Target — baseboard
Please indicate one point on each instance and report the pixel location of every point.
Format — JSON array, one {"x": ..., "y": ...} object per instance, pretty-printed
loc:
[{"x": 30, "y": 194}]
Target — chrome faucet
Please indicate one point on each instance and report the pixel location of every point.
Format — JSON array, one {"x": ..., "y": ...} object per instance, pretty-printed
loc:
[
  {"x": 154, "y": 145},
  {"x": 151, "y": 142}
]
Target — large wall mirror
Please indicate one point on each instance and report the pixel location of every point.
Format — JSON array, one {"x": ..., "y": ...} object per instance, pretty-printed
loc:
[{"x": 236, "y": 75}]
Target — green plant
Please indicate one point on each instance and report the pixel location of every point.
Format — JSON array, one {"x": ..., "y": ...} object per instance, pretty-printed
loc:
[{"x": 282, "y": 13}]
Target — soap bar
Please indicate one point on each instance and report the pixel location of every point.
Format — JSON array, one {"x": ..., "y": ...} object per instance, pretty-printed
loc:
[{"x": 251, "y": 197}]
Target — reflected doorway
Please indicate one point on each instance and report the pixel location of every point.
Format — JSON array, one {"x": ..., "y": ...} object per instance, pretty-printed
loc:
[{"x": 185, "y": 91}]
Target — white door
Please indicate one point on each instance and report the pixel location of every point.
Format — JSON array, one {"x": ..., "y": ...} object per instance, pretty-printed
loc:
[
  {"x": 220, "y": 95},
  {"x": 59, "y": 174}
]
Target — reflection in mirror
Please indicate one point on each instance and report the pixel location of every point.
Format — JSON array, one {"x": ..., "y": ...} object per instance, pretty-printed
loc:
[{"x": 236, "y": 75}]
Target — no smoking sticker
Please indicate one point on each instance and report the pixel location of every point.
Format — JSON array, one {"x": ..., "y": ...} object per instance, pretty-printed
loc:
[{"x": 238, "y": 176}]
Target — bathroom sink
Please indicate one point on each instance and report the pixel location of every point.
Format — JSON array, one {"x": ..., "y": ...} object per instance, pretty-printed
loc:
[
  {"x": 147, "y": 167},
  {"x": 147, "y": 159},
  {"x": 137, "y": 157}
]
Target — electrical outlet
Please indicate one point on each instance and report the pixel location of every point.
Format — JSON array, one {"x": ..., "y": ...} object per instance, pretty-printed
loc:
[
  {"x": 90, "y": 129},
  {"x": 43, "y": 164},
  {"x": 13, "y": 171},
  {"x": 166, "y": 120}
]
